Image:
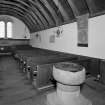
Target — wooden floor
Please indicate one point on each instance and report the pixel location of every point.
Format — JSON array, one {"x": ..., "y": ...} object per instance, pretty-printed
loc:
[{"x": 15, "y": 89}]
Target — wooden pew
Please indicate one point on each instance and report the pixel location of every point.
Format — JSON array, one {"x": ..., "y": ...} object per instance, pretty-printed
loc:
[
  {"x": 5, "y": 50},
  {"x": 39, "y": 65},
  {"x": 39, "y": 56},
  {"x": 40, "y": 70},
  {"x": 92, "y": 65}
]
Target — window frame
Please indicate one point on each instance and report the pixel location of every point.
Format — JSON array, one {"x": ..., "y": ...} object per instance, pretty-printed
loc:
[
  {"x": 3, "y": 29},
  {"x": 6, "y": 29},
  {"x": 10, "y": 30}
]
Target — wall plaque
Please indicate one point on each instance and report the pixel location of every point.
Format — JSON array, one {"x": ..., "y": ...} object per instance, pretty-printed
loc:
[
  {"x": 82, "y": 25},
  {"x": 52, "y": 39}
]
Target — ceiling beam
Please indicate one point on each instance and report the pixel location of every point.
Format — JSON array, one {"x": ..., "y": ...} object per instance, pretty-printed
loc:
[{"x": 24, "y": 7}]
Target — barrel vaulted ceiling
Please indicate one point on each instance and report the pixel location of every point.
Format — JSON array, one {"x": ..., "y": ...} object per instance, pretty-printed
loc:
[{"x": 43, "y": 14}]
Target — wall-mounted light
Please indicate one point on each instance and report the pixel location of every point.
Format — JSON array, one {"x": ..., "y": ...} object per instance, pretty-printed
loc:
[
  {"x": 58, "y": 32},
  {"x": 38, "y": 37}
]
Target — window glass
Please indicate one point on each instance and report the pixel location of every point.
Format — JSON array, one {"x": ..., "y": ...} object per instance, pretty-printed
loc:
[
  {"x": 2, "y": 29},
  {"x": 9, "y": 29}
]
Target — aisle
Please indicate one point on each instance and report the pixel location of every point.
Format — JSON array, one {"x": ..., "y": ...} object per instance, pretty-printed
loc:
[{"x": 15, "y": 89}]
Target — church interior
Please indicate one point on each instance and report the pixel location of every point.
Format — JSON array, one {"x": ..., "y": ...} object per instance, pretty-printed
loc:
[{"x": 52, "y": 52}]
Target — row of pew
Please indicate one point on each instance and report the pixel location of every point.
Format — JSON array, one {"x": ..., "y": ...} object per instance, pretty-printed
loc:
[{"x": 38, "y": 63}]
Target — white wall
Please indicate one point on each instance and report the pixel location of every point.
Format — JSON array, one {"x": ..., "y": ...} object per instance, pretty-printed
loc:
[
  {"x": 68, "y": 41},
  {"x": 18, "y": 27}
]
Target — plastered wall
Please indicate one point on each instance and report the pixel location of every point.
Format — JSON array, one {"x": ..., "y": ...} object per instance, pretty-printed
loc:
[
  {"x": 19, "y": 28},
  {"x": 68, "y": 40}
]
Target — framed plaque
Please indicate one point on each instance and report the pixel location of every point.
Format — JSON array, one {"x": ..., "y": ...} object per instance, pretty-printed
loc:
[
  {"x": 52, "y": 39},
  {"x": 82, "y": 25}
]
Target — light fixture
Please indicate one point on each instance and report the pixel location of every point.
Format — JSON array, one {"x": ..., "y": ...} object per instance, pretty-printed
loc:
[
  {"x": 38, "y": 37},
  {"x": 58, "y": 32},
  {"x": 59, "y": 29}
]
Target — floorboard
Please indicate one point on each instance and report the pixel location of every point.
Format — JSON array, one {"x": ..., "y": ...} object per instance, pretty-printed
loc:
[{"x": 15, "y": 89}]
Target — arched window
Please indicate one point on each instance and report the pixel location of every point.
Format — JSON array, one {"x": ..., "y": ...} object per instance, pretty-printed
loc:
[
  {"x": 2, "y": 29},
  {"x": 9, "y": 30},
  {"x": 5, "y": 29}
]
